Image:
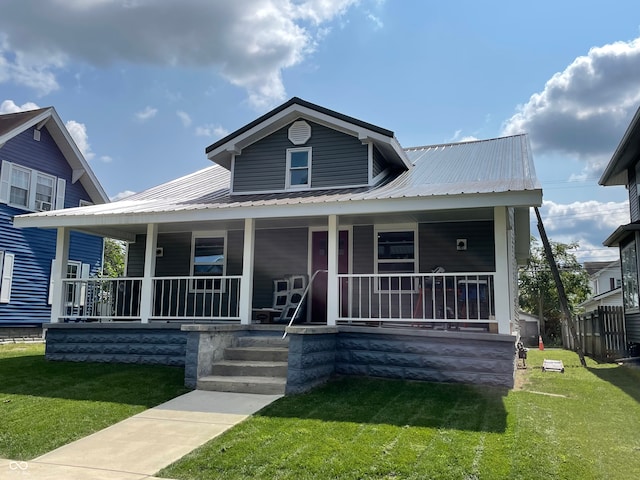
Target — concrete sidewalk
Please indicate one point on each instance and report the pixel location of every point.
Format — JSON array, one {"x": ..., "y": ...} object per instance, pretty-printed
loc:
[{"x": 140, "y": 446}]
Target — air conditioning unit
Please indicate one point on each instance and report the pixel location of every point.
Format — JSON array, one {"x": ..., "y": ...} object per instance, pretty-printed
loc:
[{"x": 43, "y": 206}]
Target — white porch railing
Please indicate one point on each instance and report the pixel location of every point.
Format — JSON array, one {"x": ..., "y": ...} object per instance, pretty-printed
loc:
[
  {"x": 173, "y": 298},
  {"x": 426, "y": 299}
]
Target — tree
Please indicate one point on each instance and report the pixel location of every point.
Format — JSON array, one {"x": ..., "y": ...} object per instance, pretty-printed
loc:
[
  {"x": 538, "y": 292},
  {"x": 114, "y": 253}
]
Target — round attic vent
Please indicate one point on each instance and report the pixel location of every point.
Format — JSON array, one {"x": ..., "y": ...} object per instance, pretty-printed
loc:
[{"x": 299, "y": 132}]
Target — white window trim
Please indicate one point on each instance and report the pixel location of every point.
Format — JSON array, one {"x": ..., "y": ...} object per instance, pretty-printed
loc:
[
  {"x": 207, "y": 234},
  {"x": 410, "y": 227},
  {"x": 58, "y": 186},
  {"x": 289, "y": 168}
]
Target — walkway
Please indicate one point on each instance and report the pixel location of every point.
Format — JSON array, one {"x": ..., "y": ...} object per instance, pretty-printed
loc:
[{"x": 140, "y": 446}]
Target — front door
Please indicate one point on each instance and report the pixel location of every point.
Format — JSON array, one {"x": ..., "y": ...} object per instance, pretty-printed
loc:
[{"x": 319, "y": 261}]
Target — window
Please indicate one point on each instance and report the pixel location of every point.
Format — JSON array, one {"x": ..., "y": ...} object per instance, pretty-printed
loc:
[
  {"x": 629, "y": 262},
  {"x": 208, "y": 255},
  {"x": 396, "y": 253},
  {"x": 299, "y": 167},
  {"x": 30, "y": 189}
]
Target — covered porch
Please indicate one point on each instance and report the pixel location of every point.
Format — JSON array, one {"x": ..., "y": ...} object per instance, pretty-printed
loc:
[{"x": 449, "y": 270}]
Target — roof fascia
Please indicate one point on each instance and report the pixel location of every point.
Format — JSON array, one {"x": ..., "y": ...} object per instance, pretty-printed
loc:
[
  {"x": 221, "y": 153},
  {"x": 41, "y": 118},
  {"x": 615, "y": 172},
  {"x": 363, "y": 207}
]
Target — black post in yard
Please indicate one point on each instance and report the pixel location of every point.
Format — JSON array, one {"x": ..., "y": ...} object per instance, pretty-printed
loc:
[{"x": 561, "y": 293}]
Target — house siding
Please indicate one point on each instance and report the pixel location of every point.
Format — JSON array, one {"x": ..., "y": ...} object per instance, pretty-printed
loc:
[
  {"x": 34, "y": 248},
  {"x": 379, "y": 162},
  {"x": 338, "y": 160},
  {"x": 634, "y": 207},
  {"x": 278, "y": 252},
  {"x": 633, "y": 327},
  {"x": 437, "y": 246}
]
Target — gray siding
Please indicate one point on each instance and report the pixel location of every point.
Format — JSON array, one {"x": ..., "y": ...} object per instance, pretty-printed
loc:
[
  {"x": 278, "y": 253},
  {"x": 634, "y": 208},
  {"x": 338, "y": 160},
  {"x": 135, "y": 257},
  {"x": 633, "y": 327},
  {"x": 438, "y": 246},
  {"x": 363, "y": 249},
  {"x": 235, "y": 245},
  {"x": 378, "y": 162}
]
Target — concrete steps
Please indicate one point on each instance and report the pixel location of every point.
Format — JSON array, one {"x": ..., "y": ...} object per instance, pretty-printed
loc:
[{"x": 258, "y": 364}]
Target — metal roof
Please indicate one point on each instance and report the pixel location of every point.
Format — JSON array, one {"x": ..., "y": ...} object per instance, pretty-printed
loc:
[{"x": 497, "y": 166}]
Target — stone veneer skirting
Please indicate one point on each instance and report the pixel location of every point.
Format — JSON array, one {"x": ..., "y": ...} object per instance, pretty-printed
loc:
[
  {"x": 153, "y": 344},
  {"x": 317, "y": 353}
]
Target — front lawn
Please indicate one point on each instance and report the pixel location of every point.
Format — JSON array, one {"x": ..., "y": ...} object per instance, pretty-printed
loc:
[
  {"x": 44, "y": 405},
  {"x": 583, "y": 424}
]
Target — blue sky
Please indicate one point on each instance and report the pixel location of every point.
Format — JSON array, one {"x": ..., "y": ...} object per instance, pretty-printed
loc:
[{"x": 146, "y": 85}]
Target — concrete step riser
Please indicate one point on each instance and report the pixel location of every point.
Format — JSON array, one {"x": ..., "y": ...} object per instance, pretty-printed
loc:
[
  {"x": 239, "y": 370},
  {"x": 251, "y": 355},
  {"x": 241, "y": 387},
  {"x": 263, "y": 342}
]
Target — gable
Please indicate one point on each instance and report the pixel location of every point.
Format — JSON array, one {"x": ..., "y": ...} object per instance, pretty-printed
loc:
[{"x": 336, "y": 160}]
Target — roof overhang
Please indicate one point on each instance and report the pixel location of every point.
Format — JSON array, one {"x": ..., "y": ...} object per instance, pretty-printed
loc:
[
  {"x": 119, "y": 224},
  {"x": 81, "y": 170},
  {"x": 223, "y": 150},
  {"x": 626, "y": 155},
  {"x": 621, "y": 234}
]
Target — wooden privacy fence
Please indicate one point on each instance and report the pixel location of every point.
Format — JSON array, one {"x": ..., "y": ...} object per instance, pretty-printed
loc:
[{"x": 601, "y": 333}]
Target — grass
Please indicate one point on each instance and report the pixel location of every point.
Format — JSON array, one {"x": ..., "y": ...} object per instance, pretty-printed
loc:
[
  {"x": 44, "y": 405},
  {"x": 582, "y": 424}
]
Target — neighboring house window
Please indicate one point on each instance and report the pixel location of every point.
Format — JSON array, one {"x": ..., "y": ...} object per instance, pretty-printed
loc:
[
  {"x": 629, "y": 260},
  {"x": 30, "y": 189},
  {"x": 298, "y": 167},
  {"x": 396, "y": 253},
  {"x": 208, "y": 254},
  {"x": 612, "y": 283},
  {"x": 6, "y": 276}
]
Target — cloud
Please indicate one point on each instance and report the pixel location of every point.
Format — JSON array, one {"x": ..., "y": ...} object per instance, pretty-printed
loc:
[
  {"x": 588, "y": 223},
  {"x": 147, "y": 114},
  {"x": 211, "y": 131},
  {"x": 184, "y": 118},
  {"x": 78, "y": 132},
  {"x": 106, "y": 159},
  {"x": 9, "y": 106},
  {"x": 458, "y": 137},
  {"x": 584, "y": 110},
  {"x": 249, "y": 43},
  {"x": 378, "y": 24},
  {"x": 121, "y": 195}
]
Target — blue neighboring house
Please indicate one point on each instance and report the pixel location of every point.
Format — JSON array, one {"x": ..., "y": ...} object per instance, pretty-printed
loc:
[{"x": 41, "y": 169}]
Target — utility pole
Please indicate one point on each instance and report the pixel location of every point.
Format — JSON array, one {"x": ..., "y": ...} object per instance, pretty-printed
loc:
[{"x": 561, "y": 293}]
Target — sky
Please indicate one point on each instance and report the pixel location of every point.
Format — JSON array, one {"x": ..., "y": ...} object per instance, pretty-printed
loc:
[{"x": 144, "y": 86}]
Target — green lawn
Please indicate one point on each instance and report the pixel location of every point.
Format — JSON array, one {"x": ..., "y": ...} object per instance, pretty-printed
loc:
[
  {"x": 44, "y": 405},
  {"x": 583, "y": 424}
]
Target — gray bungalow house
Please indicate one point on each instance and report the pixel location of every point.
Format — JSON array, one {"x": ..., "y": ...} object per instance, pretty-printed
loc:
[{"x": 376, "y": 259}]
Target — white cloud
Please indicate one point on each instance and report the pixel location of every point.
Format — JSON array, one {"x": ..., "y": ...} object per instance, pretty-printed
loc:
[
  {"x": 106, "y": 159},
  {"x": 184, "y": 118},
  {"x": 249, "y": 43},
  {"x": 458, "y": 137},
  {"x": 588, "y": 223},
  {"x": 211, "y": 131},
  {"x": 9, "y": 106},
  {"x": 121, "y": 195},
  {"x": 78, "y": 132},
  {"x": 584, "y": 110},
  {"x": 378, "y": 24},
  {"x": 146, "y": 114}
]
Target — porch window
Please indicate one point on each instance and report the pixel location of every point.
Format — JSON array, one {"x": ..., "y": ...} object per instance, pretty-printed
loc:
[
  {"x": 629, "y": 260},
  {"x": 298, "y": 167},
  {"x": 396, "y": 253},
  {"x": 208, "y": 259}
]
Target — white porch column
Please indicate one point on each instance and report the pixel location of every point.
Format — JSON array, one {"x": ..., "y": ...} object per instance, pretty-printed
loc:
[
  {"x": 332, "y": 271},
  {"x": 502, "y": 296},
  {"x": 246, "y": 283},
  {"x": 146, "y": 290},
  {"x": 59, "y": 272}
]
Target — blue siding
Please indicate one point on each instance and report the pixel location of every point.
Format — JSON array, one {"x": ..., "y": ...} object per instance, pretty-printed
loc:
[{"x": 35, "y": 248}]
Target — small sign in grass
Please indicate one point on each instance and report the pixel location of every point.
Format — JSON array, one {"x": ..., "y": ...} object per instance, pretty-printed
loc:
[{"x": 580, "y": 425}]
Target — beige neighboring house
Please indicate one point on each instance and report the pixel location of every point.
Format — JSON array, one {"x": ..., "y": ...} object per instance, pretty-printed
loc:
[{"x": 606, "y": 285}]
